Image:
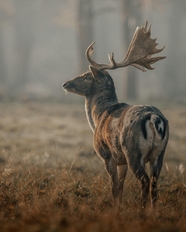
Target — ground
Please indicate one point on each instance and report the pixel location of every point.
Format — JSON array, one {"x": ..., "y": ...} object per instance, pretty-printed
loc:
[{"x": 52, "y": 180}]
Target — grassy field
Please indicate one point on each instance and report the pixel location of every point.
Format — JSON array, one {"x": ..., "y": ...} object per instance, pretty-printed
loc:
[{"x": 51, "y": 179}]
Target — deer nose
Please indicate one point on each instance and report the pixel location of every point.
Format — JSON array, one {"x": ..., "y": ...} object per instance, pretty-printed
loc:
[{"x": 64, "y": 84}]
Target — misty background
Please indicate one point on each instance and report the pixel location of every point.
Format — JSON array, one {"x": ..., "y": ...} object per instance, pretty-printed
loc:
[{"x": 43, "y": 43}]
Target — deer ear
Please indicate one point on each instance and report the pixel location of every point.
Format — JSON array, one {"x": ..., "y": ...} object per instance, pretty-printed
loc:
[{"x": 95, "y": 72}]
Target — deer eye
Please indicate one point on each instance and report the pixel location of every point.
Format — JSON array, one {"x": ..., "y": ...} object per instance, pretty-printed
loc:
[{"x": 88, "y": 78}]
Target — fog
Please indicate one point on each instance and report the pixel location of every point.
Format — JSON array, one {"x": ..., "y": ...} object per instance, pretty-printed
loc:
[{"x": 42, "y": 44}]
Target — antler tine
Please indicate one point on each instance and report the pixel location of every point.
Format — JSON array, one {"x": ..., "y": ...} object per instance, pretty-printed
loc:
[
  {"x": 145, "y": 26},
  {"x": 89, "y": 53}
]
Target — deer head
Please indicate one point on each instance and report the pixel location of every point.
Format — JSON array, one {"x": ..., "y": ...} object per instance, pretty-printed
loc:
[
  {"x": 139, "y": 55},
  {"x": 90, "y": 82}
]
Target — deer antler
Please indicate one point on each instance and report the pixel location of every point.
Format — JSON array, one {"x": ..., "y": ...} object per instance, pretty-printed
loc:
[{"x": 139, "y": 53}]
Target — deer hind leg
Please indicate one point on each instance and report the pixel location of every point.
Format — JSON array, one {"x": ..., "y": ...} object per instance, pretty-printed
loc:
[
  {"x": 116, "y": 187},
  {"x": 142, "y": 176},
  {"x": 155, "y": 169},
  {"x": 138, "y": 170}
]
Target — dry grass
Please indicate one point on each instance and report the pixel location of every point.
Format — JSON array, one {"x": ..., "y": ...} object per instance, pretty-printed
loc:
[{"x": 51, "y": 180}]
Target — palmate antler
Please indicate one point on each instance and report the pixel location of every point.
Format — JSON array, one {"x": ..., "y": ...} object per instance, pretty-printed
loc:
[{"x": 139, "y": 53}]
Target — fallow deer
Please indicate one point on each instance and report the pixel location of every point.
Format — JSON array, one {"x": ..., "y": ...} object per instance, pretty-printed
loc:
[{"x": 124, "y": 135}]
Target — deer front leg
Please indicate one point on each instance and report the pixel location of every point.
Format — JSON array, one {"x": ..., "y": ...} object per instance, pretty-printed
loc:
[
  {"x": 116, "y": 187},
  {"x": 122, "y": 171}
]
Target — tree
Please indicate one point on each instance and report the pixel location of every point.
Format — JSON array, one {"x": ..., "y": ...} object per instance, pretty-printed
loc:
[
  {"x": 174, "y": 66},
  {"x": 6, "y": 13},
  {"x": 85, "y": 30},
  {"x": 2, "y": 63},
  {"x": 131, "y": 16},
  {"x": 24, "y": 33}
]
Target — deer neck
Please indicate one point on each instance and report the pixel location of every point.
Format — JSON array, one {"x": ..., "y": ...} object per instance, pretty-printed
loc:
[{"x": 96, "y": 105}]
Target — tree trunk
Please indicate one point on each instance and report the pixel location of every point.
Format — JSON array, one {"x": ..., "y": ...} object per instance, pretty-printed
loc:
[
  {"x": 2, "y": 63},
  {"x": 171, "y": 79},
  {"x": 131, "y": 16},
  {"x": 24, "y": 41},
  {"x": 85, "y": 31}
]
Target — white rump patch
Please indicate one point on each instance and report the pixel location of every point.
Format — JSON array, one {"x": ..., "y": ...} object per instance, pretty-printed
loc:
[{"x": 161, "y": 126}]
